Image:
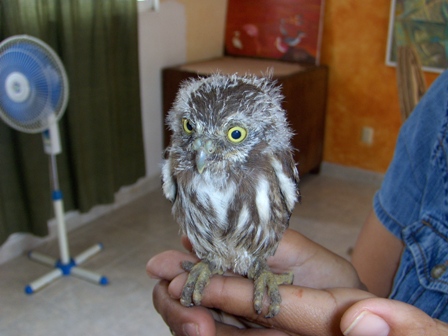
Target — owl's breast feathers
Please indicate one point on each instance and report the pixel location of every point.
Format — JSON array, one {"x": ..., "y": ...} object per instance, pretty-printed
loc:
[{"x": 235, "y": 218}]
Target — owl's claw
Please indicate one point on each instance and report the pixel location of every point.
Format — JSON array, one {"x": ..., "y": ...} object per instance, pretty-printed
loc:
[
  {"x": 264, "y": 278},
  {"x": 198, "y": 278}
]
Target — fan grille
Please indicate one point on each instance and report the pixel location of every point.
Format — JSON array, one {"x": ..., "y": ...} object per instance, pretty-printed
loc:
[{"x": 33, "y": 84}]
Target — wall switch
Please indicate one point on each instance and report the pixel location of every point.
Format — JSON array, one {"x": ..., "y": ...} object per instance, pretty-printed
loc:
[{"x": 367, "y": 135}]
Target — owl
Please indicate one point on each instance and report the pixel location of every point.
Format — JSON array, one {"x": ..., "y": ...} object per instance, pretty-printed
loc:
[{"x": 231, "y": 177}]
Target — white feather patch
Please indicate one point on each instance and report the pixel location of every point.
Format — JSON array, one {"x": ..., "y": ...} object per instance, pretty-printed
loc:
[
  {"x": 219, "y": 199},
  {"x": 169, "y": 187},
  {"x": 262, "y": 201},
  {"x": 287, "y": 186},
  {"x": 221, "y": 202},
  {"x": 243, "y": 218}
]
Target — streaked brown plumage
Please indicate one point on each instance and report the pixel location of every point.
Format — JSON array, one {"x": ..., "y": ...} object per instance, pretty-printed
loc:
[{"x": 232, "y": 179}]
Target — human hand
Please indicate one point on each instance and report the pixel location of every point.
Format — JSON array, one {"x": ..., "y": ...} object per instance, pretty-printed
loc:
[
  {"x": 311, "y": 264},
  {"x": 304, "y": 312}
]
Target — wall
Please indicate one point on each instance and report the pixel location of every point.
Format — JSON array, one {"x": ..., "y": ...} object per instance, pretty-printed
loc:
[
  {"x": 205, "y": 28},
  {"x": 181, "y": 31},
  {"x": 362, "y": 89},
  {"x": 162, "y": 42}
]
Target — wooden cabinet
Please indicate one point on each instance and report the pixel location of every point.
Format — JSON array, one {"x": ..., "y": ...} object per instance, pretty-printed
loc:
[{"x": 304, "y": 87}]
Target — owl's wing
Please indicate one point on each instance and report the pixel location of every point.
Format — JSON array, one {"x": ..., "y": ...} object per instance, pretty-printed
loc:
[
  {"x": 169, "y": 184},
  {"x": 288, "y": 178}
]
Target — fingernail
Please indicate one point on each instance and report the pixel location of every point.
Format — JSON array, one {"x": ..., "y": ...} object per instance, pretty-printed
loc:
[
  {"x": 367, "y": 324},
  {"x": 191, "y": 329},
  {"x": 153, "y": 276}
]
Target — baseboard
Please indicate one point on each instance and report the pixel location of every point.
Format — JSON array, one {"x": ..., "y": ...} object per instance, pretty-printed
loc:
[{"x": 20, "y": 243}]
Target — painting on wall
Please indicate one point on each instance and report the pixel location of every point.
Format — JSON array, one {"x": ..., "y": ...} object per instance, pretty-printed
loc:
[
  {"x": 280, "y": 29},
  {"x": 423, "y": 24}
]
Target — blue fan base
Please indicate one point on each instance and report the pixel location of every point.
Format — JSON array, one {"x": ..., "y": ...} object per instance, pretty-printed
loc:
[{"x": 67, "y": 269}]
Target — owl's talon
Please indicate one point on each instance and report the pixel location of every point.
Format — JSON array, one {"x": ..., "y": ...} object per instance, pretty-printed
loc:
[
  {"x": 185, "y": 298},
  {"x": 187, "y": 265},
  {"x": 186, "y": 303},
  {"x": 264, "y": 278},
  {"x": 274, "y": 309},
  {"x": 285, "y": 278},
  {"x": 198, "y": 279}
]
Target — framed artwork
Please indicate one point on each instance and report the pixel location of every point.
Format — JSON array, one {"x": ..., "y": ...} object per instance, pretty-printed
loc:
[
  {"x": 424, "y": 24},
  {"x": 278, "y": 29}
]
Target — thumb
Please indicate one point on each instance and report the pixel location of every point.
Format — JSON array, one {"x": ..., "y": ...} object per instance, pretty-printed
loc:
[{"x": 385, "y": 317}]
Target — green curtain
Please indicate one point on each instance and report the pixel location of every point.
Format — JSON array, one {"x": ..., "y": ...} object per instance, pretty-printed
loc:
[{"x": 97, "y": 41}]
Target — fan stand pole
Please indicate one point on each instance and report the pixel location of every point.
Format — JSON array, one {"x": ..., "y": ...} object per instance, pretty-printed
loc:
[{"x": 65, "y": 265}]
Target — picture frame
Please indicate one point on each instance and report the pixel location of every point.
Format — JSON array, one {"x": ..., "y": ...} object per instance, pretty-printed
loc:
[
  {"x": 423, "y": 25},
  {"x": 289, "y": 30}
]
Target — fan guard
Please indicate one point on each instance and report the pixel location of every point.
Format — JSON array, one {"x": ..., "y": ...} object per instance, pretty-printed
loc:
[{"x": 33, "y": 84}]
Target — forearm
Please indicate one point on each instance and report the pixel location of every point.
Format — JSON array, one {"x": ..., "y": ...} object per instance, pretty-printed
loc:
[{"x": 376, "y": 256}]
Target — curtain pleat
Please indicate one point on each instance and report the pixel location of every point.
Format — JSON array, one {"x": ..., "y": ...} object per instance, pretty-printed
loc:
[{"x": 101, "y": 131}]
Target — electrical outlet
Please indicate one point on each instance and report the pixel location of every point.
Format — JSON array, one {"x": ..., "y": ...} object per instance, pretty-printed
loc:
[{"x": 367, "y": 135}]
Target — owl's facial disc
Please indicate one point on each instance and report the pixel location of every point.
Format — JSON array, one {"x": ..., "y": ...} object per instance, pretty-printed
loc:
[{"x": 203, "y": 150}]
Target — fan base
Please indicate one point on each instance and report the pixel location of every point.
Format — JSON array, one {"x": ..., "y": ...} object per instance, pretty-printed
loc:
[{"x": 61, "y": 269}]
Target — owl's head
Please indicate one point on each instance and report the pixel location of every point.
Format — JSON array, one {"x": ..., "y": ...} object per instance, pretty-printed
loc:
[{"x": 220, "y": 121}]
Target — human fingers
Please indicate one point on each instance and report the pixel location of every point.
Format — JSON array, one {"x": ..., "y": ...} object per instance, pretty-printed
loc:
[
  {"x": 381, "y": 317},
  {"x": 303, "y": 311},
  {"x": 167, "y": 265},
  {"x": 181, "y": 320},
  {"x": 196, "y": 320}
]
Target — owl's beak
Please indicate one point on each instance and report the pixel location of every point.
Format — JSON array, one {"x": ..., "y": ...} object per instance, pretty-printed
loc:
[
  {"x": 203, "y": 150},
  {"x": 201, "y": 157}
]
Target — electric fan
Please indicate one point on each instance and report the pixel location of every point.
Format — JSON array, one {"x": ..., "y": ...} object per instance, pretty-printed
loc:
[{"x": 33, "y": 97}]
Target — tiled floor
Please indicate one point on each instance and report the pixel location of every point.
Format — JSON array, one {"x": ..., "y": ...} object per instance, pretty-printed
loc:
[{"x": 332, "y": 210}]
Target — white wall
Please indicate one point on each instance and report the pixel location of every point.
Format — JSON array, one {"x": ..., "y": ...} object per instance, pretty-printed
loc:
[{"x": 162, "y": 42}]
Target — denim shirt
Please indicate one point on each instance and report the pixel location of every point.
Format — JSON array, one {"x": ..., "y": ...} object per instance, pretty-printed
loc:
[{"x": 413, "y": 204}]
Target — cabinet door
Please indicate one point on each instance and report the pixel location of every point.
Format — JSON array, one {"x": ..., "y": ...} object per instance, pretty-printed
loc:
[{"x": 305, "y": 104}]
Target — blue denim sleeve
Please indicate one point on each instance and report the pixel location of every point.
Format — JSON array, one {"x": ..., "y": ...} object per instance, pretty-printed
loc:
[
  {"x": 407, "y": 184},
  {"x": 413, "y": 204}
]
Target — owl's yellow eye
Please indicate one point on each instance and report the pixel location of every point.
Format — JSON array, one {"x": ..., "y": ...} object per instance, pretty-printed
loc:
[
  {"x": 236, "y": 134},
  {"x": 188, "y": 128}
]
